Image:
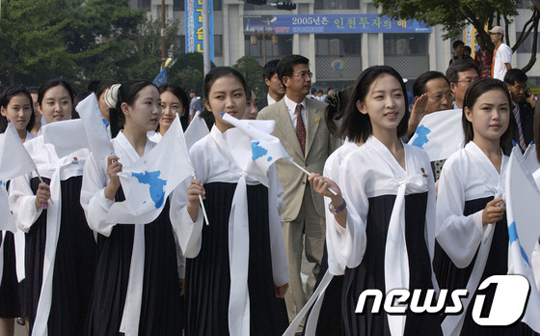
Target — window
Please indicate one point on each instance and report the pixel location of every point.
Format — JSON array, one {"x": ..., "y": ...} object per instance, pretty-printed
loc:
[
  {"x": 181, "y": 43},
  {"x": 145, "y": 4},
  {"x": 526, "y": 46},
  {"x": 523, "y": 3},
  {"x": 405, "y": 44},
  {"x": 218, "y": 45},
  {"x": 337, "y": 4},
  {"x": 337, "y": 45},
  {"x": 277, "y": 46},
  {"x": 259, "y": 7}
]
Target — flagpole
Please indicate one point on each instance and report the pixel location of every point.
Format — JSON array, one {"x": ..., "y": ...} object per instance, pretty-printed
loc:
[
  {"x": 309, "y": 174},
  {"x": 202, "y": 205},
  {"x": 489, "y": 233},
  {"x": 200, "y": 197}
]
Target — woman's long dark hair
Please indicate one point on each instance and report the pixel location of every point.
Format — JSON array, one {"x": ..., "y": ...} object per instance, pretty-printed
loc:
[
  {"x": 127, "y": 93},
  {"x": 475, "y": 90},
  {"x": 184, "y": 100},
  {"x": 356, "y": 125},
  {"x": 5, "y": 98}
]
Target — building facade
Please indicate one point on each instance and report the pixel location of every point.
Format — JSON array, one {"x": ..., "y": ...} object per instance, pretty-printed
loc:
[{"x": 337, "y": 57}]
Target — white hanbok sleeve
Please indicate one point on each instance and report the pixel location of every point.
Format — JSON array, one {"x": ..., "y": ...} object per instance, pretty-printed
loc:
[
  {"x": 280, "y": 266},
  {"x": 22, "y": 202},
  {"x": 338, "y": 242},
  {"x": 189, "y": 232},
  {"x": 457, "y": 234},
  {"x": 180, "y": 259},
  {"x": 96, "y": 206},
  {"x": 346, "y": 246},
  {"x": 431, "y": 218}
]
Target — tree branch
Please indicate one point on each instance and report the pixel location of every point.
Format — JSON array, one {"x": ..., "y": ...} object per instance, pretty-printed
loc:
[
  {"x": 479, "y": 26},
  {"x": 536, "y": 4},
  {"x": 526, "y": 30},
  {"x": 532, "y": 60}
]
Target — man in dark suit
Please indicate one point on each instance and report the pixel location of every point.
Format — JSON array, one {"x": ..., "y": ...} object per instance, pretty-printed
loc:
[
  {"x": 522, "y": 109},
  {"x": 301, "y": 128},
  {"x": 276, "y": 90}
]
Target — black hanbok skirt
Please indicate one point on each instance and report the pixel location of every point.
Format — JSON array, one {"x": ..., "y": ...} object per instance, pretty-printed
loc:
[
  {"x": 208, "y": 275},
  {"x": 9, "y": 287},
  {"x": 370, "y": 273},
  {"x": 74, "y": 264},
  {"x": 329, "y": 323},
  {"x": 160, "y": 311},
  {"x": 451, "y": 277}
]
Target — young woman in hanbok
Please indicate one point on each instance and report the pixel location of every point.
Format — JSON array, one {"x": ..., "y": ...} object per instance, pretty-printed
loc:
[
  {"x": 174, "y": 103},
  {"x": 381, "y": 222},
  {"x": 128, "y": 297},
  {"x": 60, "y": 249},
  {"x": 15, "y": 107},
  {"x": 233, "y": 286},
  {"x": 174, "y": 100},
  {"x": 329, "y": 322},
  {"x": 471, "y": 214}
]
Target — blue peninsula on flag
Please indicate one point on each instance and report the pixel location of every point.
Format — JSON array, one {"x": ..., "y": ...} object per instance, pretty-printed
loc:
[
  {"x": 252, "y": 145},
  {"x": 440, "y": 134},
  {"x": 156, "y": 186},
  {"x": 150, "y": 180}
]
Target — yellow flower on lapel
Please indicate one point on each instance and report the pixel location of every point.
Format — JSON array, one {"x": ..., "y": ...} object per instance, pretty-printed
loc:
[{"x": 317, "y": 120}]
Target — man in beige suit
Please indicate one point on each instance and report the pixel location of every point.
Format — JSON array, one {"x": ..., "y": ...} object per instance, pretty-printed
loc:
[{"x": 309, "y": 143}]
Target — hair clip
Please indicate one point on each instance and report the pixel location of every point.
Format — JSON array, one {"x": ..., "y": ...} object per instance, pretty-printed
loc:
[{"x": 111, "y": 95}]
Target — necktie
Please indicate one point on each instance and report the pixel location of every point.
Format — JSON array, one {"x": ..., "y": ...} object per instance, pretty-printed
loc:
[
  {"x": 520, "y": 130},
  {"x": 300, "y": 128}
]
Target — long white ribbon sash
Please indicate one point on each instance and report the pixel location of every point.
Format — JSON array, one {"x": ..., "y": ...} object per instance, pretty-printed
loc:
[
  {"x": 132, "y": 306},
  {"x": 239, "y": 308},
  {"x": 314, "y": 301},
  {"x": 452, "y": 324},
  {"x": 54, "y": 212}
]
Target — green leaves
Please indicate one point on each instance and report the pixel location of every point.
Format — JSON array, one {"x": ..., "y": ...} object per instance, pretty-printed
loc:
[
  {"x": 252, "y": 71},
  {"x": 451, "y": 14},
  {"x": 80, "y": 41}
]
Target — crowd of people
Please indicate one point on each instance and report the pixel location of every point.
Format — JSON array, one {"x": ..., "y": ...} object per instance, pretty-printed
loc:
[{"x": 374, "y": 213}]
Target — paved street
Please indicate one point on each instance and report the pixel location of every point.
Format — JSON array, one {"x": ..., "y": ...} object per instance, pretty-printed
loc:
[
  {"x": 306, "y": 269},
  {"x": 20, "y": 330}
]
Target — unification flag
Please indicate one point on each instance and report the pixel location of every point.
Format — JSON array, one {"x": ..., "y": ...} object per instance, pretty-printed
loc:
[
  {"x": 148, "y": 182},
  {"x": 97, "y": 135},
  {"x": 258, "y": 149},
  {"x": 531, "y": 162},
  {"x": 7, "y": 221},
  {"x": 66, "y": 136},
  {"x": 523, "y": 215},
  {"x": 161, "y": 78},
  {"x": 14, "y": 161},
  {"x": 196, "y": 130},
  {"x": 440, "y": 134}
]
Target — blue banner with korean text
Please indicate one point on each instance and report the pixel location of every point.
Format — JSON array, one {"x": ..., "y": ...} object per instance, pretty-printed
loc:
[
  {"x": 194, "y": 27},
  {"x": 332, "y": 24}
]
